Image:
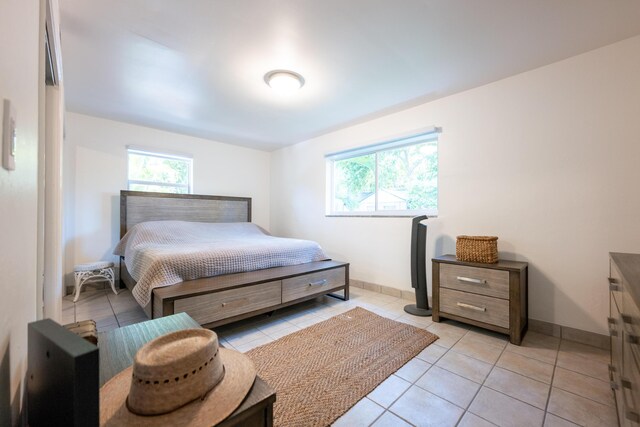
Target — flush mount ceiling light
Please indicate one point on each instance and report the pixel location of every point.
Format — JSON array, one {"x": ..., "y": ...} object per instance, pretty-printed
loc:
[{"x": 284, "y": 81}]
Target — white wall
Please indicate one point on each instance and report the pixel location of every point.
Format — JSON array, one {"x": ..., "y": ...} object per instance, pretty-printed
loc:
[
  {"x": 96, "y": 171},
  {"x": 547, "y": 160},
  {"x": 19, "y": 81}
]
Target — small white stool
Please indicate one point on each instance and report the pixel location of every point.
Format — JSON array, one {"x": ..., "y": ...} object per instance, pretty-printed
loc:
[{"x": 93, "y": 271}]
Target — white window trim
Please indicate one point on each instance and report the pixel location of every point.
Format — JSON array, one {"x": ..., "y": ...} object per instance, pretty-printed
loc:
[
  {"x": 164, "y": 154},
  {"x": 416, "y": 137},
  {"x": 397, "y": 141}
]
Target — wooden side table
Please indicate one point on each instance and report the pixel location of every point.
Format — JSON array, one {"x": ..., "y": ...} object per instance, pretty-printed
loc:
[
  {"x": 491, "y": 296},
  {"x": 119, "y": 346}
]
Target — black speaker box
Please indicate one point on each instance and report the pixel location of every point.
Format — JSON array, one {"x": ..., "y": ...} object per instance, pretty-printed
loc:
[{"x": 62, "y": 378}]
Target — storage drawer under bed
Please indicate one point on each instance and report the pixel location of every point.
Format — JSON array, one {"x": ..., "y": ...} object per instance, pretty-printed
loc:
[
  {"x": 233, "y": 302},
  {"x": 313, "y": 283}
]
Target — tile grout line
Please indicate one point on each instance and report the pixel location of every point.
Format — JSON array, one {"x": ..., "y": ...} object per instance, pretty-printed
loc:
[
  {"x": 454, "y": 373},
  {"x": 113, "y": 310},
  {"x": 582, "y": 397},
  {"x": 411, "y": 384},
  {"x": 537, "y": 360},
  {"x": 555, "y": 366},
  {"x": 582, "y": 373},
  {"x": 553, "y": 374},
  {"x": 392, "y": 413},
  {"x": 385, "y": 410},
  {"x": 432, "y": 365},
  {"x": 475, "y": 358},
  {"x": 480, "y": 388},
  {"x": 414, "y": 382}
]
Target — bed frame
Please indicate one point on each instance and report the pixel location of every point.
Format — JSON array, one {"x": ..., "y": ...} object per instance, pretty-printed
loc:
[{"x": 214, "y": 301}]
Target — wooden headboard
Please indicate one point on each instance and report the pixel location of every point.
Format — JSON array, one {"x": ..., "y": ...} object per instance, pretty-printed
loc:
[{"x": 140, "y": 206}]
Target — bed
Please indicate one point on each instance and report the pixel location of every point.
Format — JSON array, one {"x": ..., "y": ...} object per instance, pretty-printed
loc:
[{"x": 223, "y": 298}]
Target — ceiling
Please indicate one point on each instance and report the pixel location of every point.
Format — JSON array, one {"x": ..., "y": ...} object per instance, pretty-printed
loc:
[{"x": 196, "y": 66}]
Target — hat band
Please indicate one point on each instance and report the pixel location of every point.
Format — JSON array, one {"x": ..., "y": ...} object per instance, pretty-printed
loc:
[
  {"x": 151, "y": 382},
  {"x": 171, "y": 391},
  {"x": 204, "y": 395}
]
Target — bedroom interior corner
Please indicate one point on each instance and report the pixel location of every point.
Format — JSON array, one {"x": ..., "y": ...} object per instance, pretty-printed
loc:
[{"x": 288, "y": 184}]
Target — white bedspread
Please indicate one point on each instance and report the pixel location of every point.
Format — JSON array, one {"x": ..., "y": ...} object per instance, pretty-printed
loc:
[{"x": 162, "y": 253}]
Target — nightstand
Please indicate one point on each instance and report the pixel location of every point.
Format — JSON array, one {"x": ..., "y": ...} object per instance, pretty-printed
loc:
[{"x": 491, "y": 296}]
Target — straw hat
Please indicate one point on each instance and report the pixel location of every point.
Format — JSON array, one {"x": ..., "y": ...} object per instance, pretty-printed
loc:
[{"x": 182, "y": 378}]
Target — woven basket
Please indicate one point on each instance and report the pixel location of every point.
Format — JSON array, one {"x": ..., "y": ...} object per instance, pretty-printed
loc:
[{"x": 482, "y": 249}]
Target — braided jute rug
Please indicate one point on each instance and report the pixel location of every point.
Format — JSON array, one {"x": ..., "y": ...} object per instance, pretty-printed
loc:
[{"x": 321, "y": 371}]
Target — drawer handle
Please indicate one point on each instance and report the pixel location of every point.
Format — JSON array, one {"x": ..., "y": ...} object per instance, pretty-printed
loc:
[
  {"x": 613, "y": 284},
  {"x": 471, "y": 307},
  {"x": 629, "y": 336},
  {"x": 630, "y": 415},
  {"x": 235, "y": 302},
  {"x": 612, "y": 323},
  {"x": 318, "y": 283},
  {"x": 470, "y": 280},
  {"x": 614, "y": 385}
]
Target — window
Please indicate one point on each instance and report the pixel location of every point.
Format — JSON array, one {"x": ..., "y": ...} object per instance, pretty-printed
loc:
[
  {"x": 398, "y": 177},
  {"x": 164, "y": 173}
]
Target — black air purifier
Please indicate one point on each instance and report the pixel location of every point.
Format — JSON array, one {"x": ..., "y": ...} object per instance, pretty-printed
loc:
[{"x": 418, "y": 268}]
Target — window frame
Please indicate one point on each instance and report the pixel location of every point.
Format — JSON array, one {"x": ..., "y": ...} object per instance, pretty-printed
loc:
[
  {"x": 163, "y": 155},
  {"x": 414, "y": 138}
]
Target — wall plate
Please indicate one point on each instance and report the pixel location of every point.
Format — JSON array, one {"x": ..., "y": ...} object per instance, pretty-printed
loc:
[{"x": 9, "y": 136}]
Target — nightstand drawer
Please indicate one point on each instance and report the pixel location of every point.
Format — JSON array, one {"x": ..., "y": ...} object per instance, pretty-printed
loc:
[
  {"x": 485, "y": 281},
  {"x": 494, "y": 311}
]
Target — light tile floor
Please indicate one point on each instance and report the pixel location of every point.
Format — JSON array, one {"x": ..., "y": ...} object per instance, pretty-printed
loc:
[{"x": 468, "y": 377}]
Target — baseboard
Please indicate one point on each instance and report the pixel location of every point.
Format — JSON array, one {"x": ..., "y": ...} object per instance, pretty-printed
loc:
[
  {"x": 571, "y": 334},
  {"x": 93, "y": 286},
  {"x": 386, "y": 290},
  {"x": 547, "y": 328}
]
